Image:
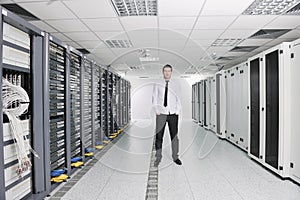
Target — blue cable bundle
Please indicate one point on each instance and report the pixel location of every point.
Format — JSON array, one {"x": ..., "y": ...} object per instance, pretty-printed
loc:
[
  {"x": 99, "y": 143},
  {"x": 88, "y": 150},
  {"x": 105, "y": 138},
  {"x": 75, "y": 159},
  {"x": 57, "y": 172}
]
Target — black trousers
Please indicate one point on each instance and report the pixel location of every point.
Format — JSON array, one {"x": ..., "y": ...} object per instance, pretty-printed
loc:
[{"x": 161, "y": 121}]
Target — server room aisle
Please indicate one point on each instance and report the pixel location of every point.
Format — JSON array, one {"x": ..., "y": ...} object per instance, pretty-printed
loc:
[{"x": 212, "y": 169}]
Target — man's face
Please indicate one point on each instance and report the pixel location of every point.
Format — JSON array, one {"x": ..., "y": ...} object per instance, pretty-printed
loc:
[{"x": 167, "y": 73}]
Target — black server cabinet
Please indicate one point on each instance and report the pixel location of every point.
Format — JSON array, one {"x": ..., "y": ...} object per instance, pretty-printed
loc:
[
  {"x": 97, "y": 106},
  {"x": 272, "y": 108},
  {"x": 87, "y": 107},
  {"x": 57, "y": 104},
  {"x": 255, "y": 107},
  {"x": 104, "y": 102},
  {"x": 75, "y": 99}
]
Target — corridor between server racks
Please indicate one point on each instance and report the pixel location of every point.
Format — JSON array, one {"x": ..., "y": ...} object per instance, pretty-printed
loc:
[{"x": 212, "y": 169}]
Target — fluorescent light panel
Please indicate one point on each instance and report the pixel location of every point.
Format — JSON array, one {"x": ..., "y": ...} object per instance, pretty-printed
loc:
[
  {"x": 226, "y": 42},
  {"x": 270, "y": 7},
  {"x": 135, "y": 7},
  {"x": 119, "y": 43}
]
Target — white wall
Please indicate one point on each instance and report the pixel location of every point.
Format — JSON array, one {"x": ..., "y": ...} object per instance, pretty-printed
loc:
[{"x": 141, "y": 97}]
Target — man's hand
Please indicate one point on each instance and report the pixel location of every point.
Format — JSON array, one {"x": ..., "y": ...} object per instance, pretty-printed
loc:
[{"x": 157, "y": 113}]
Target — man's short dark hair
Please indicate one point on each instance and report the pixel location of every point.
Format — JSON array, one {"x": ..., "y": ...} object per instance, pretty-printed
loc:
[{"x": 167, "y": 66}]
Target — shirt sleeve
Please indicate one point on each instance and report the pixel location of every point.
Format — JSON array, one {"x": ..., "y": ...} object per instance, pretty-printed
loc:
[{"x": 154, "y": 97}]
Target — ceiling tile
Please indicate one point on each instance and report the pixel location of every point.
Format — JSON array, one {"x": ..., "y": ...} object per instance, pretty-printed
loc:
[
  {"x": 150, "y": 34},
  {"x": 106, "y": 35},
  {"x": 254, "y": 42},
  {"x": 228, "y": 7},
  {"x": 92, "y": 8},
  {"x": 251, "y": 21},
  {"x": 73, "y": 44},
  {"x": 206, "y": 34},
  {"x": 139, "y": 22},
  {"x": 176, "y": 22},
  {"x": 92, "y": 44},
  {"x": 43, "y": 26},
  {"x": 200, "y": 43},
  {"x": 218, "y": 50},
  {"x": 179, "y": 8},
  {"x": 104, "y": 24},
  {"x": 241, "y": 34},
  {"x": 68, "y": 25},
  {"x": 172, "y": 35},
  {"x": 5, "y": 1},
  {"x": 284, "y": 22},
  {"x": 82, "y": 36},
  {"x": 61, "y": 37},
  {"x": 294, "y": 34},
  {"x": 45, "y": 10},
  {"x": 214, "y": 22},
  {"x": 275, "y": 42}
]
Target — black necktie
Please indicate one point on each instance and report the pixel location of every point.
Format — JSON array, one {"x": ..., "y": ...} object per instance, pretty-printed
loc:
[{"x": 166, "y": 94}]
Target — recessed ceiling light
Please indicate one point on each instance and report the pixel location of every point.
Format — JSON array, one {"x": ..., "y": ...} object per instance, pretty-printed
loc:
[
  {"x": 244, "y": 49},
  {"x": 269, "y": 33},
  {"x": 119, "y": 43},
  {"x": 226, "y": 42},
  {"x": 135, "y": 7},
  {"x": 270, "y": 7}
]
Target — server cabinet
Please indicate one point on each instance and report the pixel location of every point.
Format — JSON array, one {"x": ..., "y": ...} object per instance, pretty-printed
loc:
[
  {"x": 295, "y": 112},
  {"x": 221, "y": 104},
  {"x": 213, "y": 104},
  {"x": 274, "y": 113},
  {"x": 201, "y": 102},
  {"x": 197, "y": 103},
  {"x": 237, "y": 100},
  {"x": 87, "y": 101},
  {"x": 207, "y": 90},
  {"x": 104, "y": 102},
  {"x": 193, "y": 102},
  {"x": 97, "y": 104},
  {"x": 255, "y": 70},
  {"x": 75, "y": 80},
  {"x": 20, "y": 61}
]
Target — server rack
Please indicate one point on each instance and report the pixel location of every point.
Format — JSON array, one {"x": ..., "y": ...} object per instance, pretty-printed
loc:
[
  {"x": 75, "y": 80},
  {"x": 87, "y": 99},
  {"x": 274, "y": 110},
  {"x": 57, "y": 105},
  {"x": 221, "y": 104},
  {"x": 97, "y": 104},
  {"x": 213, "y": 104},
  {"x": 20, "y": 61},
  {"x": 197, "y": 103},
  {"x": 207, "y": 105},
  {"x": 295, "y": 112},
  {"x": 201, "y": 94},
  {"x": 237, "y": 101},
  {"x": 123, "y": 100},
  {"x": 193, "y": 102},
  {"x": 104, "y": 101},
  {"x": 118, "y": 102}
]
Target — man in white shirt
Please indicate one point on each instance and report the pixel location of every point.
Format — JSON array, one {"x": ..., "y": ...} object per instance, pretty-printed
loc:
[{"x": 167, "y": 107}]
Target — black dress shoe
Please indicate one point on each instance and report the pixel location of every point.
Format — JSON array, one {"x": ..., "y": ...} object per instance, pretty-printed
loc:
[{"x": 178, "y": 162}]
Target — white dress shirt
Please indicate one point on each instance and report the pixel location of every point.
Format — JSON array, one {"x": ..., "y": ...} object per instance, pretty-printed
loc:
[{"x": 173, "y": 103}]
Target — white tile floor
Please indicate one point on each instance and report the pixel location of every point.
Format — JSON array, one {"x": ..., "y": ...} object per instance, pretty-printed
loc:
[{"x": 212, "y": 169}]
